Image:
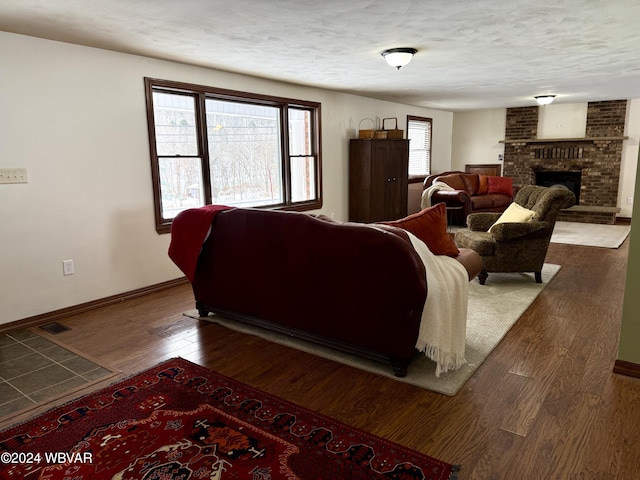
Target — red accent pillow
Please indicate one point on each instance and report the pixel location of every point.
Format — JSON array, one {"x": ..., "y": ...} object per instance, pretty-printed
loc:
[
  {"x": 430, "y": 226},
  {"x": 500, "y": 186},
  {"x": 483, "y": 184}
]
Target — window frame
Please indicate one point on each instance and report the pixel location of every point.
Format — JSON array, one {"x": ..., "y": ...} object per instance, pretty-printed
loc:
[
  {"x": 200, "y": 94},
  {"x": 430, "y": 122}
]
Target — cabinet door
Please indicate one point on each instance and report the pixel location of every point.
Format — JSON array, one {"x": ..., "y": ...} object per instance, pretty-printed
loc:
[
  {"x": 360, "y": 181},
  {"x": 395, "y": 200},
  {"x": 380, "y": 180},
  {"x": 394, "y": 155}
]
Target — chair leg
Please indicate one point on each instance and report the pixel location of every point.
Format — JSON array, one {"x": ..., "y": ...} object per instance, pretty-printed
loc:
[
  {"x": 482, "y": 277},
  {"x": 538, "y": 277}
]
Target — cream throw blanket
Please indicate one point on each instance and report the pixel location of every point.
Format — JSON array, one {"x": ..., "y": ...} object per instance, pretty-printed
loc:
[
  {"x": 425, "y": 201},
  {"x": 443, "y": 329}
]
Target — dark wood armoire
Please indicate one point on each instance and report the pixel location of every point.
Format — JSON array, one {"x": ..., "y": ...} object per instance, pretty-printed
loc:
[{"x": 378, "y": 179}]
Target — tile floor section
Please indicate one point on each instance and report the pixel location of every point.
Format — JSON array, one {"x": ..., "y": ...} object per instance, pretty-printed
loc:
[{"x": 33, "y": 369}]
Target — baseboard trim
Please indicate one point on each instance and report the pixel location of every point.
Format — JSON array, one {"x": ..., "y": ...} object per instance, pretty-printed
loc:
[
  {"x": 629, "y": 369},
  {"x": 49, "y": 317}
]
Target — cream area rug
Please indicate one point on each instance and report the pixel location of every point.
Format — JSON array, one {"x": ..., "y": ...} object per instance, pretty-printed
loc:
[
  {"x": 493, "y": 309},
  {"x": 590, "y": 234}
]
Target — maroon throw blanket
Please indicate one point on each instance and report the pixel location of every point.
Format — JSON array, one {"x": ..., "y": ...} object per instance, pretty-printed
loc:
[{"x": 188, "y": 232}]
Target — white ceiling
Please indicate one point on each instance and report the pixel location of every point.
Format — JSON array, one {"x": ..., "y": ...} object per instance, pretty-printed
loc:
[{"x": 471, "y": 53}]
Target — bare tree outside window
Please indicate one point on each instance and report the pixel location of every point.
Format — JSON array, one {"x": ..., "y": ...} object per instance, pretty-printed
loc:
[
  {"x": 177, "y": 148},
  {"x": 244, "y": 154},
  {"x": 211, "y": 146}
]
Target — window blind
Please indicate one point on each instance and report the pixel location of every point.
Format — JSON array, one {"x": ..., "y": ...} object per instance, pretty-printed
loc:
[{"x": 419, "y": 132}]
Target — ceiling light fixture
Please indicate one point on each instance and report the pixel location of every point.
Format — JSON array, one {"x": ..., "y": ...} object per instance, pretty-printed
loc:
[
  {"x": 399, "y": 57},
  {"x": 545, "y": 99}
]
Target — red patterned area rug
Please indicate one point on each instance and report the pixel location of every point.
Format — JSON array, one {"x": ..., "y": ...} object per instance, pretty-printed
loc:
[{"x": 181, "y": 421}]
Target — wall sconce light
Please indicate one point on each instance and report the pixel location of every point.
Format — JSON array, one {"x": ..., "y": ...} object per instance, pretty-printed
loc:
[
  {"x": 399, "y": 57},
  {"x": 545, "y": 99}
]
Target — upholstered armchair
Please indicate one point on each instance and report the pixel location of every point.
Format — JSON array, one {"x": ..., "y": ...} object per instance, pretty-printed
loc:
[{"x": 516, "y": 246}]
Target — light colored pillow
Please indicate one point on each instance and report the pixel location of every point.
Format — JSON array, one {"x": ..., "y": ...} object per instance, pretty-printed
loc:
[{"x": 515, "y": 214}]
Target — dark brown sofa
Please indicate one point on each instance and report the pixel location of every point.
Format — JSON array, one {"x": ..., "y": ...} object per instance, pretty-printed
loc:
[
  {"x": 356, "y": 287},
  {"x": 467, "y": 197}
]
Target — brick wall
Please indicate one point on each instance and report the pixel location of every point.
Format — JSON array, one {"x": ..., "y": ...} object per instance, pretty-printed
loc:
[
  {"x": 598, "y": 160},
  {"x": 521, "y": 123},
  {"x": 606, "y": 119}
]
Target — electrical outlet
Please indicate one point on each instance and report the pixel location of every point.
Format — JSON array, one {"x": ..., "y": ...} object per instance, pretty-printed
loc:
[
  {"x": 630, "y": 200},
  {"x": 67, "y": 267},
  {"x": 13, "y": 175}
]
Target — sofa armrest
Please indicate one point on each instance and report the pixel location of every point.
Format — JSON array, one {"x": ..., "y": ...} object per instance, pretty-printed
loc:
[
  {"x": 505, "y": 232},
  {"x": 452, "y": 198},
  {"x": 471, "y": 261},
  {"x": 481, "y": 221}
]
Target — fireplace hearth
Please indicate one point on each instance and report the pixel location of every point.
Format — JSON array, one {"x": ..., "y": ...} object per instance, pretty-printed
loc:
[{"x": 560, "y": 178}]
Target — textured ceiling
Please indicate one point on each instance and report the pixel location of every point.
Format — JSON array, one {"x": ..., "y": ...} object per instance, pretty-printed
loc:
[{"x": 471, "y": 53}]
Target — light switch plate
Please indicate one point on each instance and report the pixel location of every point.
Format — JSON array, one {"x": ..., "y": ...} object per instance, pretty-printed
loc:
[{"x": 13, "y": 175}]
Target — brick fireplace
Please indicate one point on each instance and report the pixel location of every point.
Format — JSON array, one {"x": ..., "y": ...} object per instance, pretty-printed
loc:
[
  {"x": 590, "y": 164},
  {"x": 569, "y": 179}
]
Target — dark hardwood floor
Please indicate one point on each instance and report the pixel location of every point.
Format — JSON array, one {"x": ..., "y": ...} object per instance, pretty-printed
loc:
[{"x": 544, "y": 405}]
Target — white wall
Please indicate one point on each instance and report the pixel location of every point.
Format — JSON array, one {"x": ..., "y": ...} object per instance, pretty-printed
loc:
[
  {"x": 476, "y": 135},
  {"x": 75, "y": 118},
  {"x": 629, "y": 165},
  {"x": 562, "y": 120}
]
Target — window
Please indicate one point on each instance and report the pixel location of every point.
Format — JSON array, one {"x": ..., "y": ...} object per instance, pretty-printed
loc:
[
  {"x": 213, "y": 146},
  {"x": 419, "y": 132}
]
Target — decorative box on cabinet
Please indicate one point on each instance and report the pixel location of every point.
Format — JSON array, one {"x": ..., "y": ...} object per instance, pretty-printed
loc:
[{"x": 378, "y": 179}]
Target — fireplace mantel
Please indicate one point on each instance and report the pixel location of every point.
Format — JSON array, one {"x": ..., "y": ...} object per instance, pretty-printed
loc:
[{"x": 568, "y": 140}]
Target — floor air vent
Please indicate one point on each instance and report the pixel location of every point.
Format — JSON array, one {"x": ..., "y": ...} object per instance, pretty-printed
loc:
[{"x": 54, "y": 328}]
